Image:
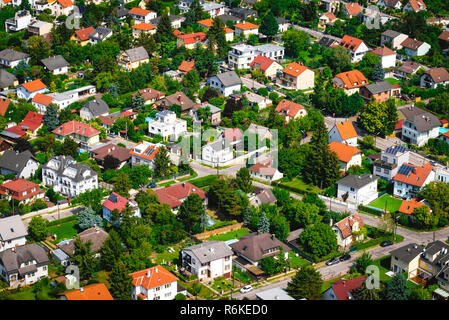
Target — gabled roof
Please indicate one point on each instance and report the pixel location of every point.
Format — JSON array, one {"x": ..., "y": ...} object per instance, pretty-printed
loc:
[
  {"x": 65, "y": 3},
  {"x": 412, "y": 44},
  {"x": 409, "y": 67},
  {"x": 209, "y": 251},
  {"x": 229, "y": 78},
  {"x": 408, "y": 252},
  {"x": 115, "y": 201},
  {"x": 172, "y": 195},
  {"x": 76, "y": 127},
  {"x": 186, "y": 66},
  {"x": 378, "y": 87},
  {"x": 352, "y": 79},
  {"x": 95, "y": 234},
  {"x": 407, "y": 207},
  {"x": 343, "y": 151},
  {"x": 343, "y": 288},
  {"x": 13, "y": 55},
  {"x": 289, "y": 108},
  {"x": 350, "y": 43},
  {"x": 140, "y": 11},
  {"x": 55, "y": 62},
  {"x": 152, "y": 277},
  {"x": 265, "y": 195},
  {"x": 346, "y": 130},
  {"x": 4, "y": 104},
  {"x": 383, "y": 51},
  {"x": 330, "y": 15},
  {"x": 346, "y": 225},
  {"x": 18, "y": 186},
  {"x": 137, "y": 54},
  {"x": 417, "y": 5},
  {"x": 444, "y": 36},
  {"x": 94, "y": 291},
  {"x": 391, "y": 33},
  {"x": 83, "y": 34},
  {"x": 150, "y": 94},
  {"x": 206, "y": 22},
  {"x": 34, "y": 85},
  {"x": 96, "y": 107},
  {"x": 353, "y": 8},
  {"x": 179, "y": 98},
  {"x": 12, "y": 227},
  {"x": 413, "y": 175},
  {"x": 263, "y": 169},
  {"x": 144, "y": 26},
  {"x": 357, "y": 182},
  {"x": 6, "y": 79},
  {"x": 232, "y": 134},
  {"x": 15, "y": 161},
  {"x": 12, "y": 258},
  {"x": 423, "y": 120},
  {"x": 192, "y": 37},
  {"x": 263, "y": 62},
  {"x": 438, "y": 74},
  {"x": 42, "y": 99},
  {"x": 295, "y": 69},
  {"x": 255, "y": 245},
  {"x": 246, "y": 25}
]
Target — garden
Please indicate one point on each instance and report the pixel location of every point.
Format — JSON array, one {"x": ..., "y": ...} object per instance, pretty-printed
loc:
[{"x": 387, "y": 202}]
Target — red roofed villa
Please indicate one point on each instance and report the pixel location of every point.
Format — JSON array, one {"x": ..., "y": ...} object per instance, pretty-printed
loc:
[
  {"x": 155, "y": 283},
  {"x": 266, "y": 65},
  {"x": 117, "y": 202},
  {"x": 342, "y": 289},
  {"x": 344, "y": 229},
  {"x": 190, "y": 40},
  {"x": 176, "y": 194},
  {"x": 82, "y": 133},
  {"x": 290, "y": 110},
  {"x": 297, "y": 76},
  {"x": 21, "y": 190}
]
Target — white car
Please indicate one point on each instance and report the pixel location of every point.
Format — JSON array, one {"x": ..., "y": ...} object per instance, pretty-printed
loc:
[{"x": 246, "y": 289}]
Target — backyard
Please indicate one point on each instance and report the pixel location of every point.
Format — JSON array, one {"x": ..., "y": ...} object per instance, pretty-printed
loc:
[
  {"x": 296, "y": 261},
  {"x": 64, "y": 231},
  {"x": 299, "y": 186},
  {"x": 388, "y": 202},
  {"x": 236, "y": 234}
]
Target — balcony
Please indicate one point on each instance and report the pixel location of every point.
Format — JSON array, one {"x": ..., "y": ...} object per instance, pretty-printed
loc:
[{"x": 385, "y": 165}]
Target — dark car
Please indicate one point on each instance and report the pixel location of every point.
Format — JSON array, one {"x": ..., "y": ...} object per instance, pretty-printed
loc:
[
  {"x": 270, "y": 89},
  {"x": 152, "y": 185},
  {"x": 386, "y": 243},
  {"x": 345, "y": 257},
  {"x": 405, "y": 98},
  {"x": 332, "y": 261}
]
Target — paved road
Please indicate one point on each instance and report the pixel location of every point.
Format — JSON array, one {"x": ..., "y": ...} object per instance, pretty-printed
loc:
[
  {"x": 315, "y": 33},
  {"x": 251, "y": 83},
  {"x": 63, "y": 213}
]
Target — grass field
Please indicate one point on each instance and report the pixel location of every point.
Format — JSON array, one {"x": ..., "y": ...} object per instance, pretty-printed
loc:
[
  {"x": 301, "y": 185},
  {"x": 204, "y": 181},
  {"x": 237, "y": 234},
  {"x": 393, "y": 204},
  {"x": 64, "y": 231},
  {"x": 296, "y": 262}
]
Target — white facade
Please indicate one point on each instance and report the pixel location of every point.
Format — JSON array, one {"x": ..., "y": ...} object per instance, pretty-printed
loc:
[
  {"x": 27, "y": 171},
  {"x": 58, "y": 10},
  {"x": 356, "y": 160},
  {"x": 389, "y": 163},
  {"x": 167, "y": 125},
  {"x": 358, "y": 54},
  {"x": 212, "y": 269},
  {"x": 20, "y": 22},
  {"x": 406, "y": 190},
  {"x": 364, "y": 195},
  {"x": 334, "y": 135},
  {"x": 23, "y": 93},
  {"x": 214, "y": 82},
  {"x": 144, "y": 18},
  {"x": 217, "y": 152},
  {"x": 143, "y": 154},
  {"x": 388, "y": 61},
  {"x": 394, "y": 41},
  {"x": 13, "y": 278},
  {"x": 442, "y": 174},
  {"x": 242, "y": 55},
  {"x": 420, "y": 51},
  {"x": 410, "y": 132},
  {"x": 64, "y": 99}
]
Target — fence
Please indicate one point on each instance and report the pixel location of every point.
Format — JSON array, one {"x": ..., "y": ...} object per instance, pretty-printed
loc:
[
  {"x": 46, "y": 210},
  {"x": 349, "y": 206},
  {"x": 207, "y": 234}
]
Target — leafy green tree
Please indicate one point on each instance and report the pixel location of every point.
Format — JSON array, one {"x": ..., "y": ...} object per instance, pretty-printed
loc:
[
  {"x": 190, "y": 211},
  {"x": 295, "y": 41},
  {"x": 436, "y": 193},
  {"x": 378, "y": 73},
  {"x": 318, "y": 239},
  {"x": 243, "y": 180},
  {"x": 424, "y": 219},
  {"x": 146, "y": 40},
  {"x": 84, "y": 258},
  {"x": 122, "y": 184},
  {"x": 338, "y": 59},
  {"x": 38, "y": 228},
  {"x": 69, "y": 148},
  {"x": 111, "y": 250},
  {"x": 272, "y": 266},
  {"x": 363, "y": 262},
  {"x": 306, "y": 283},
  {"x": 88, "y": 218},
  {"x": 120, "y": 281},
  {"x": 282, "y": 196},
  {"x": 269, "y": 26},
  {"x": 139, "y": 176},
  {"x": 194, "y": 14},
  {"x": 162, "y": 163},
  {"x": 280, "y": 227},
  {"x": 48, "y": 143},
  {"x": 217, "y": 39},
  {"x": 90, "y": 199},
  {"x": 397, "y": 288},
  {"x": 164, "y": 32},
  {"x": 225, "y": 198},
  {"x": 51, "y": 117}
]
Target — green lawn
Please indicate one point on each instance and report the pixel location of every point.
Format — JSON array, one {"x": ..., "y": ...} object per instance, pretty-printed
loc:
[
  {"x": 237, "y": 234},
  {"x": 327, "y": 284},
  {"x": 205, "y": 292},
  {"x": 242, "y": 276},
  {"x": 64, "y": 231},
  {"x": 296, "y": 262},
  {"x": 393, "y": 81},
  {"x": 221, "y": 283},
  {"x": 204, "y": 181},
  {"x": 301, "y": 186},
  {"x": 393, "y": 204},
  {"x": 167, "y": 256}
]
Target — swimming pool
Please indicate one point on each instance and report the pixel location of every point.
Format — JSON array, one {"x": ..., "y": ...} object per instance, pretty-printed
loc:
[{"x": 443, "y": 130}]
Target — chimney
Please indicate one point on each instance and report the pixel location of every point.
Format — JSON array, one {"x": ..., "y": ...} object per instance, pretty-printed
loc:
[{"x": 272, "y": 236}]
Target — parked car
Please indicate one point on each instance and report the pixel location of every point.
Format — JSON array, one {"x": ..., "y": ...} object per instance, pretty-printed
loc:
[
  {"x": 345, "y": 257},
  {"x": 152, "y": 185},
  {"x": 405, "y": 98},
  {"x": 332, "y": 261},
  {"x": 246, "y": 289},
  {"x": 386, "y": 243},
  {"x": 270, "y": 89}
]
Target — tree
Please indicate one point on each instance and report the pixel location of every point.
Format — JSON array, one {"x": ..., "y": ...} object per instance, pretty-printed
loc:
[
  {"x": 69, "y": 148},
  {"x": 194, "y": 14},
  {"x": 271, "y": 266},
  {"x": 217, "y": 39},
  {"x": 269, "y": 26},
  {"x": 282, "y": 196},
  {"x": 378, "y": 73},
  {"x": 90, "y": 199},
  {"x": 84, "y": 258},
  {"x": 436, "y": 194},
  {"x": 318, "y": 239},
  {"x": 139, "y": 176},
  {"x": 138, "y": 102},
  {"x": 397, "y": 288},
  {"x": 88, "y": 218},
  {"x": 264, "y": 224},
  {"x": 295, "y": 41},
  {"x": 120, "y": 281},
  {"x": 243, "y": 180},
  {"x": 378, "y": 118},
  {"x": 110, "y": 162},
  {"x": 51, "y": 117},
  {"x": 280, "y": 227},
  {"x": 111, "y": 250},
  {"x": 162, "y": 163},
  {"x": 339, "y": 59},
  {"x": 122, "y": 184},
  {"x": 38, "y": 228},
  {"x": 38, "y": 48},
  {"x": 164, "y": 32},
  {"x": 48, "y": 143},
  {"x": 363, "y": 293},
  {"x": 146, "y": 40},
  {"x": 363, "y": 262},
  {"x": 306, "y": 283},
  {"x": 190, "y": 211},
  {"x": 225, "y": 198},
  {"x": 423, "y": 218}
]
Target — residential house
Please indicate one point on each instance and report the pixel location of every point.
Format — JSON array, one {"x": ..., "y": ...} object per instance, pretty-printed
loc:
[
  {"x": 184, "y": 5},
  {"x": 443, "y": 39},
  {"x": 99, "y": 34},
  {"x": 267, "y": 66},
  {"x": 283, "y": 24},
  {"x": 387, "y": 57},
  {"x": 415, "y": 48},
  {"x": 442, "y": 174},
  {"x": 12, "y": 232},
  {"x": 410, "y": 179},
  {"x": 406, "y": 259},
  {"x": 7, "y": 80},
  {"x": 217, "y": 152},
  {"x": 41, "y": 102},
  {"x": 390, "y": 4},
  {"x": 175, "y": 195},
  {"x": 380, "y": 91},
  {"x": 167, "y": 125},
  {"x": 275, "y": 293},
  {"x": 326, "y": 19},
  {"x": 358, "y": 189},
  {"x": 351, "y": 9},
  {"x": 344, "y": 133},
  {"x": 178, "y": 98},
  {"x": 133, "y": 58},
  {"x": 392, "y": 39},
  {"x": 143, "y": 28},
  {"x": 214, "y": 9},
  {"x": 175, "y": 21},
  {"x": 190, "y": 40},
  {"x": 256, "y": 99},
  {"x": 271, "y": 51},
  {"x": 28, "y": 126},
  {"x": 62, "y": 8},
  {"x": 227, "y": 17},
  {"x": 66, "y": 98},
  {"x": 155, "y": 283},
  {"x": 342, "y": 289},
  {"x": 349, "y": 156},
  {"x": 68, "y": 177},
  {"x": 408, "y": 69},
  {"x": 94, "y": 291},
  {"x": 57, "y": 65},
  {"x": 438, "y": 21},
  {"x": 22, "y": 164},
  {"x": 94, "y": 108},
  {"x": 297, "y": 76},
  {"x": 243, "y": 13},
  {"x": 186, "y": 66},
  {"x": 408, "y": 206},
  {"x": 142, "y": 15},
  {"x": 245, "y": 29},
  {"x": 215, "y": 113},
  {"x": 434, "y": 77},
  {"x": 144, "y": 153},
  {"x": 265, "y": 171},
  {"x": 242, "y": 55},
  {"x": 81, "y": 36},
  {"x": 389, "y": 162},
  {"x": 355, "y": 47},
  {"x": 120, "y": 153},
  {"x": 226, "y": 82},
  {"x": 117, "y": 202},
  {"x": 290, "y": 110},
  {"x": 24, "y": 265},
  {"x": 19, "y": 22},
  {"x": 419, "y": 126},
  {"x": 10, "y": 58},
  {"x": 433, "y": 264},
  {"x": 350, "y": 81},
  {"x": 39, "y": 28},
  {"x": 347, "y": 228},
  {"x": 415, "y": 6},
  {"x": 331, "y": 5},
  {"x": 95, "y": 235},
  {"x": 262, "y": 196},
  {"x": 29, "y": 89},
  {"x": 255, "y": 246},
  {"x": 263, "y": 133},
  {"x": 151, "y": 95},
  {"x": 21, "y": 190},
  {"x": 208, "y": 260}
]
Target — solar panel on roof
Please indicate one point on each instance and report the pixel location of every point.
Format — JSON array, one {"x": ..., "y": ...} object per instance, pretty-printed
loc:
[
  {"x": 405, "y": 169},
  {"x": 149, "y": 152}
]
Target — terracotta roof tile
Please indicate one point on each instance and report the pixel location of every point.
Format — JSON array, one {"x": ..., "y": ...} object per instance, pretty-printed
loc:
[
  {"x": 407, "y": 207},
  {"x": 65, "y": 3},
  {"x": 42, "y": 99},
  {"x": 352, "y": 79},
  {"x": 172, "y": 195},
  {"x": 347, "y": 224},
  {"x": 76, "y": 127},
  {"x": 263, "y": 62},
  {"x": 4, "y": 103},
  {"x": 289, "y": 107},
  {"x": 95, "y": 291},
  {"x": 186, "y": 66},
  {"x": 83, "y": 34},
  {"x": 246, "y": 25},
  {"x": 353, "y": 8},
  {"x": 417, "y": 177},
  {"x": 206, "y": 22},
  {"x": 343, "y": 151},
  {"x": 295, "y": 69},
  {"x": 34, "y": 85},
  {"x": 383, "y": 51},
  {"x": 152, "y": 277},
  {"x": 343, "y": 288},
  {"x": 139, "y": 11},
  {"x": 350, "y": 43},
  {"x": 346, "y": 130}
]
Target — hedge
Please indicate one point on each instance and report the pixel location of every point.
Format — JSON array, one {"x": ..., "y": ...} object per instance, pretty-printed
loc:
[
  {"x": 370, "y": 210},
  {"x": 61, "y": 221},
  {"x": 221, "y": 224}
]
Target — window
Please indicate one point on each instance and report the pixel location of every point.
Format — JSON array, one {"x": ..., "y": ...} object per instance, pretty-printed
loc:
[
  {"x": 168, "y": 285},
  {"x": 158, "y": 288}
]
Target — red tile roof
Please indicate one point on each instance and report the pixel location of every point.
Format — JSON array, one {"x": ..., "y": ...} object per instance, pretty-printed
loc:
[
  {"x": 353, "y": 8},
  {"x": 263, "y": 168},
  {"x": 192, "y": 37},
  {"x": 383, "y": 51},
  {"x": 206, "y": 22},
  {"x": 83, "y": 34},
  {"x": 407, "y": 207},
  {"x": 95, "y": 291},
  {"x": 143, "y": 154},
  {"x": 34, "y": 85},
  {"x": 32, "y": 121},
  {"x": 144, "y": 26},
  {"x": 65, "y": 3},
  {"x": 295, "y": 69},
  {"x": 186, "y": 66},
  {"x": 18, "y": 186},
  {"x": 343, "y": 288},
  {"x": 150, "y": 94},
  {"x": 172, "y": 195},
  {"x": 346, "y": 130},
  {"x": 76, "y": 127},
  {"x": 140, "y": 11},
  {"x": 115, "y": 201},
  {"x": 352, "y": 79},
  {"x": 246, "y": 25},
  {"x": 343, "y": 151},
  {"x": 289, "y": 107},
  {"x": 417, "y": 5},
  {"x": 4, "y": 103},
  {"x": 232, "y": 134},
  {"x": 346, "y": 225},
  {"x": 350, "y": 43},
  {"x": 330, "y": 16},
  {"x": 42, "y": 99},
  {"x": 417, "y": 177},
  {"x": 263, "y": 62},
  {"x": 152, "y": 277}
]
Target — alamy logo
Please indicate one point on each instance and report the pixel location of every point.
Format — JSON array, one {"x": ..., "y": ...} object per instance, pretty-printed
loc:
[
  {"x": 73, "y": 20},
  {"x": 372, "y": 17},
  {"x": 72, "y": 277},
  {"x": 372, "y": 280}
]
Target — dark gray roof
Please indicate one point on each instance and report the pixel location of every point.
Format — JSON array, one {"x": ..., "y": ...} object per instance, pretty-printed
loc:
[
  {"x": 6, "y": 79},
  {"x": 435, "y": 247},
  {"x": 243, "y": 12},
  {"x": 122, "y": 11},
  {"x": 282, "y": 20},
  {"x": 357, "y": 182},
  {"x": 408, "y": 252},
  {"x": 327, "y": 41},
  {"x": 210, "y": 251},
  {"x": 227, "y": 17},
  {"x": 12, "y": 228},
  {"x": 137, "y": 54},
  {"x": 394, "y": 150},
  {"x": 95, "y": 234},
  {"x": 255, "y": 245},
  {"x": 100, "y": 33},
  {"x": 55, "y": 62},
  {"x": 391, "y": 33},
  {"x": 15, "y": 161},
  {"x": 59, "y": 164},
  {"x": 378, "y": 87},
  {"x": 423, "y": 120},
  {"x": 229, "y": 78},
  {"x": 12, "y": 55},
  {"x": 12, "y": 260},
  {"x": 97, "y": 107}
]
